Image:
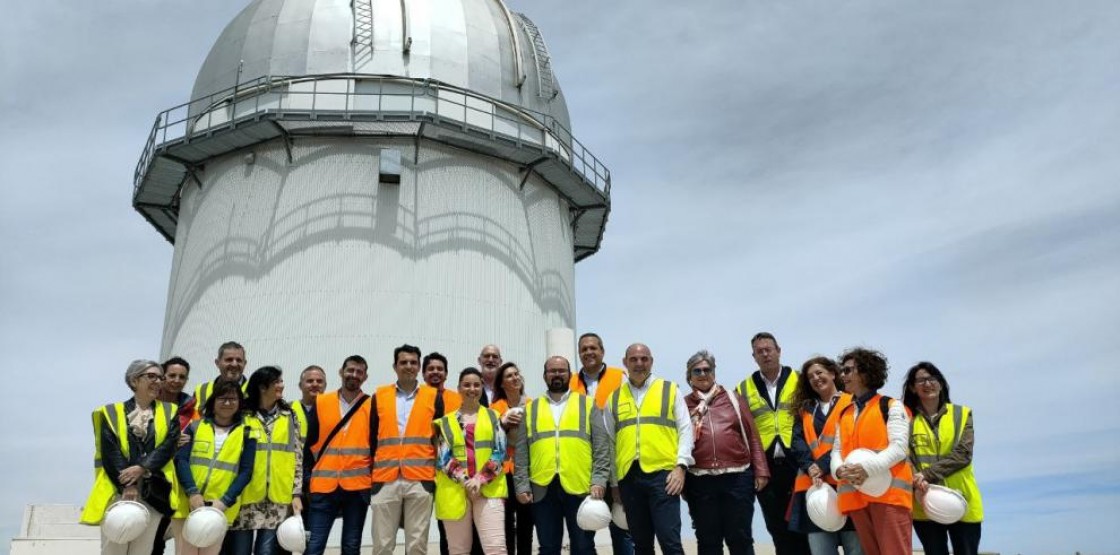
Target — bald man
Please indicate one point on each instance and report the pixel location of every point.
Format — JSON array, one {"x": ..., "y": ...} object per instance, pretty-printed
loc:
[{"x": 647, "y": 419}]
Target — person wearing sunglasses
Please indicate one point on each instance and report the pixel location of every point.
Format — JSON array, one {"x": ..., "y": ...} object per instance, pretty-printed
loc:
[
  {"x": 882, "y": 425},
  {"x": 730, "y": 462},
  {"x": 135, "y": 444}
]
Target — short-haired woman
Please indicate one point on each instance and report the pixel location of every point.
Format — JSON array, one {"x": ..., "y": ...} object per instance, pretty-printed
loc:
[
  {"x": 135, "y": 442},
  {"x": 882, "y": 425},
  {"x": 730, "y": 462}
]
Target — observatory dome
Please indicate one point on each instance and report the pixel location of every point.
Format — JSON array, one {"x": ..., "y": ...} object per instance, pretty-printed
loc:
[{"x": 478, "y": 45}]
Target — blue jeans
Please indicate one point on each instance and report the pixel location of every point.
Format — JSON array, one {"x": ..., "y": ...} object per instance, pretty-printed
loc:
[
  {"x": 650, "y": 511},
  {"x": 621, "y": 542},
  {"x": 352, "y": 505},
  {"x": 722, "y": 508},
  {"x": 828, "y": 543},
  {"x": 240, "y": 542},
  {"x": 549, "y": 515}
]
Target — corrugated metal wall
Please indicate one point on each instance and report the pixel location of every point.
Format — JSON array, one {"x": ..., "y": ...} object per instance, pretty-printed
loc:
[{"x": 310, "y": 262}]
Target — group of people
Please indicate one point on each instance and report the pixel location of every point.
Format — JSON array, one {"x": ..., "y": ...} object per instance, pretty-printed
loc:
[{"x": 493, "y": 464}]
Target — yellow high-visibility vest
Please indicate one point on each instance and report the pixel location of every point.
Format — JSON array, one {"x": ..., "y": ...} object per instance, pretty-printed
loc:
[
  {"x": 202, "y": 393},
  {"x": 274, "y": 464},
  {"x": 103, "y": 492},
  {"x": 451, "y": 496},
  {"x": 771, "y": 422},
  {"x": 301, "y": 417},
  {"x": 647, "y": 432},
  {"x": 929, "y": 447},
  {"x": 563, "y": 450},
  {"x": 214, "y": 472}
]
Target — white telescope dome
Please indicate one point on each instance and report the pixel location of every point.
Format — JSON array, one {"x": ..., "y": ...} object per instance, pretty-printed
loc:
[{"x": 478, "y": 45}]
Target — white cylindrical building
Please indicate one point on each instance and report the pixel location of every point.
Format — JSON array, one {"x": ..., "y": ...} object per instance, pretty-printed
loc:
[{"x": 351, "y": 176}]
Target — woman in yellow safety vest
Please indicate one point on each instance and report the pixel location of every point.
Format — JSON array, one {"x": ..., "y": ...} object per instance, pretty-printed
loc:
[
  {"x": 470, "y": 488},
  {"x": 217, "y": 464},
  {"x": 941, "y": 453},
  {"x": 510, "y": 394},
  {"x": 817, "y": 404},
  {"x": 273, "y": 493},
  {"x": 135, "y": 441}
]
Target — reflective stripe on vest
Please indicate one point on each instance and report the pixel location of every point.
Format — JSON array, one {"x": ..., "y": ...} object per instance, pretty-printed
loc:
[
  {"x": 647, "y": 433},
  {"x": 451, "y": 496},
  {"x": 274, "y": 466},
  {"x": 868, "y": 430},
  {"x": 929, "y": 447},
  {"x": 412, "y": 455},
  {"x": 346, "y": 462},
  {"x": 214, "y": 473},
  {"x": 563, "y": 450},
  {"x": 820, "y": 446},
  {"x": 771, "y": 422},
  {"x": 103, "y": 491},
  {"x": 609, "y": 382}
]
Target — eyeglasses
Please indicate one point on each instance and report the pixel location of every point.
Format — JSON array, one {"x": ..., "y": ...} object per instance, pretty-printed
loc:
[
  {"x": 846, "y": 369},
  {"x": 926, "y": 381},
  {"x": 227, "y": 400},
  {"x": 152, "y": 376},
  {"x": 700, "y": 371}
]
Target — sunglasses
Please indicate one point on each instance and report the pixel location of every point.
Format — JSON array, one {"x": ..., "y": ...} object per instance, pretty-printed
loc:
[{"x": 701, "y": 371}]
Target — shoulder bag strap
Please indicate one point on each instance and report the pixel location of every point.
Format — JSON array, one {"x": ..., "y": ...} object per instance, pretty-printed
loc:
[{"x": 341, "y": 424}]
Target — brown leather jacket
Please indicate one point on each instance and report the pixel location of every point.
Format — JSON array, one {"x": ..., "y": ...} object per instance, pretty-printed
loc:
[{"x": 719, "y": 443}]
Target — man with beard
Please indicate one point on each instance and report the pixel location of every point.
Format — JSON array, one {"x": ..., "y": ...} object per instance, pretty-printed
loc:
[
  {"x": 434, "y": 368},
  {"x": 568, "y": 423},
  {"x": 337, "y": 457},
  {"x": 489, "y": 360}
]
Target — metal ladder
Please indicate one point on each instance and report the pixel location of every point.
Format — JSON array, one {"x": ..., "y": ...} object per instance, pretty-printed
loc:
[
  {"x": 545, "y": 81},
  {"x": 362, "y": 41}
]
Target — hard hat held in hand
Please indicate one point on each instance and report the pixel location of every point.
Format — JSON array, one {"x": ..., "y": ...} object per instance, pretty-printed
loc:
[
  {"x": 290, "y": 535},
  {"x": 205, "y": 526},
  {"x": 877, "y": 483},
  {"x": 593, "y": 514},
  {"x": 944, "y": 505},
  {"x": 820, "y": 502},
  {"x": 618, "y": 516},
  {"x": 124, "y": 521}
]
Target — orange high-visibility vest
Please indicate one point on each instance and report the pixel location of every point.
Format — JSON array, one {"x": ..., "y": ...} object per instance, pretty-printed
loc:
[
  {"x": 869, "y": 431},
  {"x": 822, "y": 445},
  {"x": 346, "y": 462},
  {"x": 451, "y": 400},
  {"x": 411, "y": 456},
  {"x": 609, "y": 380},
  {"x": 502, "y": 407}
]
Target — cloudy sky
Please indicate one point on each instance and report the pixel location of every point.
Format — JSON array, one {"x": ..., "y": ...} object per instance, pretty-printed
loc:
[{"x": 936, "y": 180}]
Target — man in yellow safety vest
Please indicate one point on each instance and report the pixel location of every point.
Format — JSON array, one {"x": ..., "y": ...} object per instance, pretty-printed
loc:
[
  {"x": 561, "y": 425},
  {"x": 652, "y": 433}
]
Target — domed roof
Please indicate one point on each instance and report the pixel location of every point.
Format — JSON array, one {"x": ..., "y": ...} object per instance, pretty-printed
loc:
[{"x": 477, "y": 45}]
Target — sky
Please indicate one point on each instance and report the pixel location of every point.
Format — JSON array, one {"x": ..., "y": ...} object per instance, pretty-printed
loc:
[{"x": 936, "y": 180}]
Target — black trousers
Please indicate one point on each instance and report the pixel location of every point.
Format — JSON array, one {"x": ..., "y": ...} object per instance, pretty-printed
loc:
[
  {"x": 519, "y": 523},
  {"x": 935, "y": 538},
  {"x": 774, "y": 500}
]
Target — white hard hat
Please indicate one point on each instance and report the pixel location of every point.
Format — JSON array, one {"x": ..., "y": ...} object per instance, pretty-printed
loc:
[
  {"x": 124, "y": 521},
  {"x": 593, "y": 514},
  {"x": 820, "y": 502},
  {"x": 944, "y": 505},
  {"x": 205, "y": 526},
  {"x": 618, "y": 516},
  {"x": 877, "y": 483},
  {"x": 291, "y": 536}
]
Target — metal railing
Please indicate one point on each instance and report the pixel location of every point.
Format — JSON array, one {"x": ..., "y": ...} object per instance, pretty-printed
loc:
[{"x": 368, "y": 98}]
